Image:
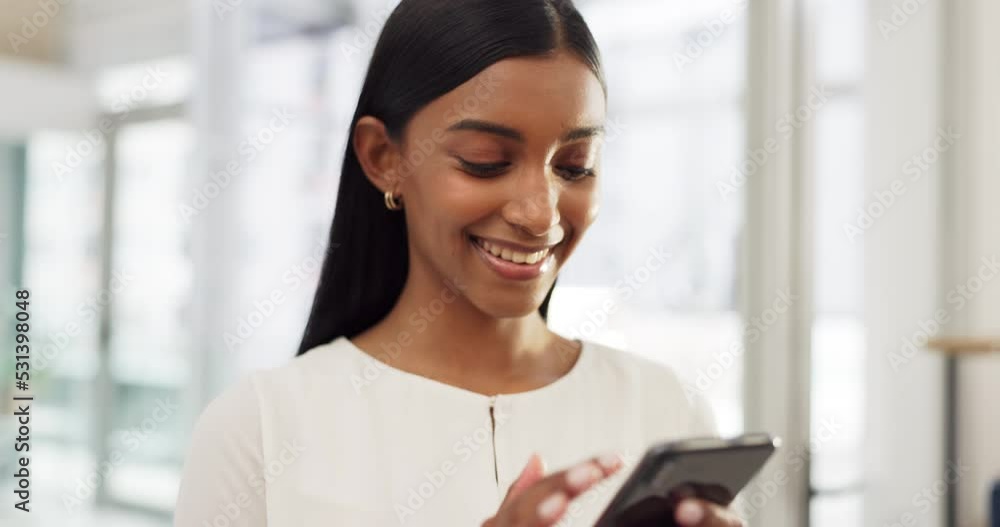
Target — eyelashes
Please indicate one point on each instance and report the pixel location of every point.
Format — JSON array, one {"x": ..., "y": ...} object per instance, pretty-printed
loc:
[
  {"x": 488, "y": 170},
  {"x": 575, "y": 173},
  {"x": 484, "y": 169}
]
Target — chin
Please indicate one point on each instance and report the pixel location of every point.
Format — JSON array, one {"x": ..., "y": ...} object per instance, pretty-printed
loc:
[{"x": 509, "y": 304}]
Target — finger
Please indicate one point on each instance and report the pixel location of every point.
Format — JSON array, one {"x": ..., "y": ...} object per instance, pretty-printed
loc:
[
  {"x": 544, "y": 502},
  {"x": 533, "y": 471},
  {"x": 700, "y": 513}
]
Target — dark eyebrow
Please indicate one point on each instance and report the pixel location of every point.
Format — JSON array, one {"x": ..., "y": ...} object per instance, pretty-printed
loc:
[
  {"x": 510, "y": 133},
  {"x": 488, "y": 127},
  {"x": 582, "y": 133}
]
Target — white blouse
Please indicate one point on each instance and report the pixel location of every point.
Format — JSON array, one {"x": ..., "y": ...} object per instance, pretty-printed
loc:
[{"x": 338, "y": 438}]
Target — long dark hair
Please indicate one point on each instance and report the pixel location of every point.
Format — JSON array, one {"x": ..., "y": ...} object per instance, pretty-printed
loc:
[{"x": 427, "y": 48}]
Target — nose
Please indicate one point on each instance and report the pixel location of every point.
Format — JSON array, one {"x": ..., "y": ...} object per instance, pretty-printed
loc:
[{"x": 534, "y": 205}]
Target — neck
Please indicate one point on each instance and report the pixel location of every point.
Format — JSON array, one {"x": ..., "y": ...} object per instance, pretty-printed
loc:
[{"x": 440, "y": 333}]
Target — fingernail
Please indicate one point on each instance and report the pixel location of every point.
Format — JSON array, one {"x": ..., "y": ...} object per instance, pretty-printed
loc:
[
  {"x": 550, "y": 507},
  {"x": 690, "y": 513},
  {"x": 610, "y": 461},
  {"x": 582, "y": 475}
]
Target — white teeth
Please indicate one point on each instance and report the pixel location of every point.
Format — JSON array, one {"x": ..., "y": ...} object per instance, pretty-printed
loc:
[{"x": 513, "y": 256}]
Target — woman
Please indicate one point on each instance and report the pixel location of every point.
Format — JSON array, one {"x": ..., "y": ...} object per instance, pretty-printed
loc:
[{"x": 428, "y": 389}]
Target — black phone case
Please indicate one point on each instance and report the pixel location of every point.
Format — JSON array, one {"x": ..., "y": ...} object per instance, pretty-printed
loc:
[{"x": 714, "y": 471}]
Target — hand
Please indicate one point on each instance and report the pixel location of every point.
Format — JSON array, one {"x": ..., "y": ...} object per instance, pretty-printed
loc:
[
  {"x": 537, "y": 500},
  {"x": 692, "y": 512}
]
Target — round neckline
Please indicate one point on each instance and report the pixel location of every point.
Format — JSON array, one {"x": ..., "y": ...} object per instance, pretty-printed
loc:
[{"x": 555, "y": 385}]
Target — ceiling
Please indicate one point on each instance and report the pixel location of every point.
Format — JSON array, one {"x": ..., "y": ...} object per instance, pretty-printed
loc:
[
  {"x": 89, "y": 34},
  {"x": 43, "y": 43}
]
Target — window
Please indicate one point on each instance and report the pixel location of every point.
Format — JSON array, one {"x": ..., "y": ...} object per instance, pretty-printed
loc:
[
  {"x": 110, "y": 424},
  {"x": 62, "y": 267},
  {"x": 665, "y": 251},
  {"x": 838, "y": 345},
  {"x": 683, "y": 312},
  {"x": 150, "y": 319}
]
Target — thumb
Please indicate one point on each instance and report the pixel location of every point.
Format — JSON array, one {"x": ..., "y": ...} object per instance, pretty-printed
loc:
[{"x": 533, "y": 471}]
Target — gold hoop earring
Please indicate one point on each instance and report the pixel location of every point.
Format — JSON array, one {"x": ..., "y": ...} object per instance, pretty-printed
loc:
[{"x": 390, "y": 201}]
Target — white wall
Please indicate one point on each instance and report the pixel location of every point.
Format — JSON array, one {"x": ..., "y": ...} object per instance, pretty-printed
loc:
[
  {"x": 973, "y": 95},
  {"x": 31, "y": 33},
  {"x": 109, "y": 32},
  {"x": 36, "y": 96},
  {"x": 8, "y": 221},
  {"x": 938, "y": 70},
  {"x": 93, "y": 33},
  {"x": 902, "y": 271}
]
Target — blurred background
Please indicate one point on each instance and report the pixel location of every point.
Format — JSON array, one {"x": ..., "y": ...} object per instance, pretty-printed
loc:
[{"x": 821, "y": 175}]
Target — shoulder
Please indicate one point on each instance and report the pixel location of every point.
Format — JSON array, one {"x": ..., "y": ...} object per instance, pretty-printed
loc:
[
  {"x": 240, "y": 408},
  {"x": 233, "y": 415},
  {"x": 658, "y": 389},
  {"x": 243, "y": 428},
  {"x": 330, "y": 375},
  {"x": 224, "y": 456},
  {"x": 303, "y": 373},
  {"x": 634, "y": 367},
  {"x": 227, "y": 434}
]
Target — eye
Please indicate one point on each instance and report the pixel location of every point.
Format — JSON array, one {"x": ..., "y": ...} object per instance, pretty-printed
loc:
[
  {"x": 574, "y": 173},
  {"x": 484, "y": 169}
]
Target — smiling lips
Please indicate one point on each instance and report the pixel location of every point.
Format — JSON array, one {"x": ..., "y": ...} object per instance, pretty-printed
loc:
[
  {"x": 511, "y": 263},
  {"x": 512, "y": 255}
]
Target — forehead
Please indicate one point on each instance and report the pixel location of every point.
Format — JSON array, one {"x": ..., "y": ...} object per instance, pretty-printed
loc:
[{"x": 540, "y": 96}]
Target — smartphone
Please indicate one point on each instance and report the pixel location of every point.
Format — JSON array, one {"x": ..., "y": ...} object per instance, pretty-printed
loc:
[{"x": 711, "y": 469}]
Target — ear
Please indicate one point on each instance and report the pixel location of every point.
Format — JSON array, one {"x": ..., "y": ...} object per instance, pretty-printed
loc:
[{"x": 377, "y": 153}]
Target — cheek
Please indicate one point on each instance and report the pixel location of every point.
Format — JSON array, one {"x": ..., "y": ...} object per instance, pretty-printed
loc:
[
  {"x": 443, "y": 202},
  {"x": 465, "y": 199},
  {"x": 581, "y": 207}
]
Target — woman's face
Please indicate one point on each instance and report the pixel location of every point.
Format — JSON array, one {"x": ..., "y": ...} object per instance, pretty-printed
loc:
[{"x": 499, "y": 179}]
